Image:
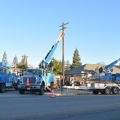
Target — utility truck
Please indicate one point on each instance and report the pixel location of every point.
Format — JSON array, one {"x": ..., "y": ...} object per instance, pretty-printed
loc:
[
  {"x": 37, "y": 80},
  {"x": 8, "y": 79},
  {"x": 104, "y": 83}
]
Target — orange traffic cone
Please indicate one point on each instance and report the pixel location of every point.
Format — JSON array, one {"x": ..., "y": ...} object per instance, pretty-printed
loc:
[
  {"x": 27, "y": 83},
  {"x": 52, "y": 94}
]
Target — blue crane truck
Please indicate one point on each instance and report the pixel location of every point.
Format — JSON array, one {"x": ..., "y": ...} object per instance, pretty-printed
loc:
[
  {"x": 106, "y": 82},
  {"x": 7, "y": 79},
  {"x": 38, "y": 80}
]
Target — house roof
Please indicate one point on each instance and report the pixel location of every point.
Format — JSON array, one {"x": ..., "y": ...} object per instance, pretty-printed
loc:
[
  {"x": 90, "y": 68},
  {"x": 116, "y": 69}
]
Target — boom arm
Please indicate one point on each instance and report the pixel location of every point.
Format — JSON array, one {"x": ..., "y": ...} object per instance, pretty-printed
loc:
[
  {"x": 109, "y": 67},
  {"x": 49, "y": 55}
]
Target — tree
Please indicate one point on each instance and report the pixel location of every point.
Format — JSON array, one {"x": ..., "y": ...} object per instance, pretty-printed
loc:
[
  {"x": 15, "y": 60},
  {"x": 4, "y": 59},
  {"x": 57, "y": 66},
  {"x": 23, "y": 64},
  {"x": 41, "y": 63},
  {"x": 101, "y": 63},
  {"x": 67, "y": 65},
  {"x": 76, "y": 59}
]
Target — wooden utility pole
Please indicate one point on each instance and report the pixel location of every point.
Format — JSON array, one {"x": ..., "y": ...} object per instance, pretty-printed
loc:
[{"x": 63, "y": 27}]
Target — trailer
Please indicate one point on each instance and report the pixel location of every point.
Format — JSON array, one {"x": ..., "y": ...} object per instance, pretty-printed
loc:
[
  {"x": 104, "y": 83},
  {"x": 96, "y": 88}
]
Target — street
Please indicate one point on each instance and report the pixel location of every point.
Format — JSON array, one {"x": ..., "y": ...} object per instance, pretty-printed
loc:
[{"x": 14, "y": 106}]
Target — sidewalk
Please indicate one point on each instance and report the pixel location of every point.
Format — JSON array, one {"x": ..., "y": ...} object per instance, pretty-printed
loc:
[{"x": 67, "y": 92}]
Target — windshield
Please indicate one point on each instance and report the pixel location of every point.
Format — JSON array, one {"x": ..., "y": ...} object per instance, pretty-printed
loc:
[{"x": 34, "y": 71}]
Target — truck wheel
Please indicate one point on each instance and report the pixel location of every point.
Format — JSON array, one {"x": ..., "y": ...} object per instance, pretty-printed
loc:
[
  {"x": 21, "y": 91},
  {"x": 41, "y": 90},
  {"x": 107, "y": 91},
  {"x": 51, "y": 85},
  {"x": 95, "y": 92},
  {"x": 115, "y": 90},
  {"x": 2, "y": 88},
  {"x": 16, "y": 86},
  {"x": 102, "y": 92}
]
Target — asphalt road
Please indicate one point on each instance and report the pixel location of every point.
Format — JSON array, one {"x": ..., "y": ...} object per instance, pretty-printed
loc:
[{"x": 14, "y": 106}]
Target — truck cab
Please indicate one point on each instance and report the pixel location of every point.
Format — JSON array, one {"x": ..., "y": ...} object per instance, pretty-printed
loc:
[{"x": 35, "y": 80}]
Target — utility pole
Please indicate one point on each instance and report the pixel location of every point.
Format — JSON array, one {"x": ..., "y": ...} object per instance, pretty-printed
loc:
[{"x": 63, "y": 27}]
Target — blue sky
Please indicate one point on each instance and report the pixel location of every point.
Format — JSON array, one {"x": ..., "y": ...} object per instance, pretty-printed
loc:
[{"x": 31, "y": 27}]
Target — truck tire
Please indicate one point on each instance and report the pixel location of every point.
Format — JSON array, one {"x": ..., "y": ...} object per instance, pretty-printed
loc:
[
  {"x": 2, "y": 88},
  {"x": 16, "y": 86},
  {"x": 95, "y": 92},
  {"x": 107, "y": 91},
  {"x": 21, "y": 91},
  {"x": 102, "y": 92},
  {"x": 51, "y": 85},
  {"x": 115, "y": 90},
  {"x": 41, "y": 90}
]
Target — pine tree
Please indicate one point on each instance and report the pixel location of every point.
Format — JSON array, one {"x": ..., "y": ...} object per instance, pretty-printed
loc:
[
  {"x": 76, "y": 59},
  {"x": 4, "y": 59},
  {"x": 67, "y": 65},
  {"x": 15, "y": 60}
]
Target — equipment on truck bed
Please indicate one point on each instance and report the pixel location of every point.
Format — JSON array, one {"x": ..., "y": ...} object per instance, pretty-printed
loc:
[
  {"x": 104, "y": 83},
  {"x": 105, "y": 72}
]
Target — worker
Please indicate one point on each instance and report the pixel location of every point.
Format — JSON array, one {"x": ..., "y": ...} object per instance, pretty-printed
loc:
[
  {"x": 48, "y": 88},
  {"x": 72, "y": 82},
  {"x": 56, "y": 86}
]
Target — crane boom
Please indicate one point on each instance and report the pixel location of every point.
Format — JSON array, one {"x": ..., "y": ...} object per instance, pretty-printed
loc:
[
  {"x": 49, "y": 55},
  {"x": 109, "y": 67}
]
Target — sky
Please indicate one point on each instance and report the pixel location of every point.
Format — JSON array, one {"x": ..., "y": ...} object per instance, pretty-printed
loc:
[{"x": 31, "y": 27}]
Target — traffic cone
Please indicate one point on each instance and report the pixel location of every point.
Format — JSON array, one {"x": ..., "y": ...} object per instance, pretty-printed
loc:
[
  {"x": 52, "y": 94},
  {"x": 27, "y": 83}
]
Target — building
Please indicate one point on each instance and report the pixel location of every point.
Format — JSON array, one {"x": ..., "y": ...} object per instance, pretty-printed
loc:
[{"x": 88, "y": 70}]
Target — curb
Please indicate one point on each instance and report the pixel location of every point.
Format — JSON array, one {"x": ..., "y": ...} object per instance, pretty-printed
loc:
[{"x": 65, "y": 95}]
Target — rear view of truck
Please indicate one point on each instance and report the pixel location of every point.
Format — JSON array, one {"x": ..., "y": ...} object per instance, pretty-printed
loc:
[{"x": 7, "y": 81}]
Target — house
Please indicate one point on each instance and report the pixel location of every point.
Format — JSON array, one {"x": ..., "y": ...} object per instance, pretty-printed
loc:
[{"x": 88, "y": 70}]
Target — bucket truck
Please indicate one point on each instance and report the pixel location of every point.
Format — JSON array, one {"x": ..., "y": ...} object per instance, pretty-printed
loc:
[
  {"x": 39, "y": 79},
  {"x": 7, "y": 78}
]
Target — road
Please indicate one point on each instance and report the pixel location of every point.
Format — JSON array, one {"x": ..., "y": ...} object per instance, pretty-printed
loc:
[{"x": 14, "y": 106}]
